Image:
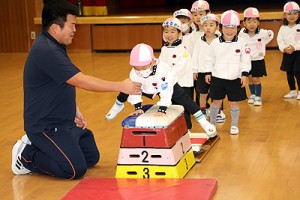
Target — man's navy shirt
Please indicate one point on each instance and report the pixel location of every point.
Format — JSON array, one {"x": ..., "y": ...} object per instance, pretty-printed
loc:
[{"x": 48, "y": 100}]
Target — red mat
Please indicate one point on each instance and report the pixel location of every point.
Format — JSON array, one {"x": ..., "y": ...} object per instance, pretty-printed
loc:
[{"x": 142, "y": 189}]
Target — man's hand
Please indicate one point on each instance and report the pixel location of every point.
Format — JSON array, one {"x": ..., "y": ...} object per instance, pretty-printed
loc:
[
  {"x": 80, "y": 119},
  {"x": 129, "y": 87}
]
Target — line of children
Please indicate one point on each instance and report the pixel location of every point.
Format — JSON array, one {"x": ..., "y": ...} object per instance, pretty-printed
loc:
[
  {"x": 228, "y": 61},
  {"x": 288, "y": 40},
  {"x": 157, "y": 77},
  {"x": 254, "y": 36},
  {"x": 257, "y": 39}
]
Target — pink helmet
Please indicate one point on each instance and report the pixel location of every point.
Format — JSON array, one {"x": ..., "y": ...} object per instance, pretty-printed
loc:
[
  {"x": 174, "y": 22},
  {"x": 230, "y": 18},
  {"x": 141, "y": 55},
  {"x": 291, "y": 7},
  {"x": 182, "y": 12},
  {"x": 200, "y": 5},
  {"x": 210, "y": 16},
  {"x": 251, "y": 13}
]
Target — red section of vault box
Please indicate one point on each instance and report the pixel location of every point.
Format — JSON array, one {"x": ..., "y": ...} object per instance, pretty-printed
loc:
[{"x": 154, "y": 137}]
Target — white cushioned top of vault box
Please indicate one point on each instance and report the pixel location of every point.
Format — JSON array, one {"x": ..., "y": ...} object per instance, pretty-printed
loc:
[{"x": 150, "y": 120}]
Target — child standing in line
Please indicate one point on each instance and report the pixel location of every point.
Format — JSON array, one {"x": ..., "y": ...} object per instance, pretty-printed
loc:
[
  {"x": 228, "y": 61},
  {"x": 288, "y": 40},
  {"x": 257, "y": 39},
  {"x": 176, "y": 56},
  {"x": 185, "y": 17},
  {"x": 157, "y": 77},
  {"x": 210, "y": 24},
  {"x": 199, "y": 9}
]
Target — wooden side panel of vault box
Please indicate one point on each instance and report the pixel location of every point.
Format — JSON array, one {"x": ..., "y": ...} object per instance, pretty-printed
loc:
[
  {"x": 154, "y": 137},
  {"x": 155, "y": 156},
  {"x": 158, "y": 171}
]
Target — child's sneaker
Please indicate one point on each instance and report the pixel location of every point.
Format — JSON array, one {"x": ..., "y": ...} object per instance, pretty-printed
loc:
[
  {"x": 209, "y": 128},
  {"x": 298, "y": 96},
  {"x": 16, "y": 165},
  {"x": 220, "y": 117},
  {"x": 251, "y": 99},
  {"x": 257, "y": 101},
  {"x": 234, "y": 130},
  {"x": 114, "y": 111},
  {"x": 291, "y": 94}
]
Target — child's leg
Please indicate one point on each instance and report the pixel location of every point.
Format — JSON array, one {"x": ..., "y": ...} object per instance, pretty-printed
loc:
[
  {"x": 257, "y": 86},
  {"x": 235, "y": 113},
  {"x": 214, "y": 110},
  {"x": 197, "y": 98},
  {"x": 122, "y": 97},
  {"x": 187, "y": 114},
  {"x": 252, "y": 88},
  {"x": 203, "y": 98},
  {"x": 292, "y": 85},
  {"x": 203, "y": 89},
  {"x": 117, "y": 107},
  {"x": 181, "y": 98},
  {"x": 251, "y": 85},
  {"x": 221, "y": 115},
  {"x": 258, "y": 89},
  {"x": 297, "y": 75},
  {"x": 291, "y": 80}
]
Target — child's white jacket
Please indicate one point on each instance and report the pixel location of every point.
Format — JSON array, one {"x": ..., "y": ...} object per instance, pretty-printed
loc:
[
  {"x": 179, "y": 60},
  {"x": 190, "y": 40},
  {"x": 162, "y": 81},
  {"x": 228, "y": 60},
  {"x": 257, "y": 43},
  {"x": 199, "y": 55},
  {"x": 289, "y": 36}
]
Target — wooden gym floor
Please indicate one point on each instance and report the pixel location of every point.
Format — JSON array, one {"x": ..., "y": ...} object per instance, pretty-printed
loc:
[{"x": 262, "y": 162}]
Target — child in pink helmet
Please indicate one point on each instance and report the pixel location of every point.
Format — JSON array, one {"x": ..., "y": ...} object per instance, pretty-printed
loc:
[
  {"x": 175, "y": 55},
  {"x": 288, "y": 40},
  {"x": 257, "y": 39},
  {"x": 228, "y": 63},
  {"x": 157, "y": 78}
]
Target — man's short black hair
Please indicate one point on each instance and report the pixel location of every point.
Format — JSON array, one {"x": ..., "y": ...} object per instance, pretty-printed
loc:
[{"x": 56, "y": 11}]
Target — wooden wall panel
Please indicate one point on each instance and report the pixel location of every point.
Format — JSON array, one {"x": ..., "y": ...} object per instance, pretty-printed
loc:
[
  {"x": 82, "y": 40},
  {"x": 125, "y": 37},
  {"x": 13, "y": 26}
]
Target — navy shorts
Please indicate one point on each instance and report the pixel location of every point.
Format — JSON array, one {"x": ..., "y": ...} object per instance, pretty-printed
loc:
[
  {"x": 201, "y": 86},
  {"x": 291, "y": 62},
  {"x": 219, "y": 88},
  {"x": 258, "y": 68}
]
